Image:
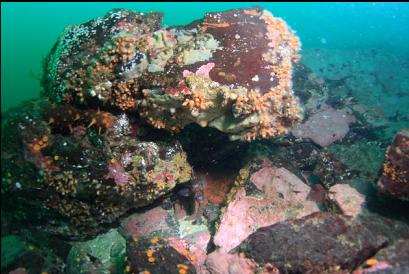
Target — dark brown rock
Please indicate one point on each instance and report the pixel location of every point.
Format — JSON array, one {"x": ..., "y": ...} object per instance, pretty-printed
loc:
[
  {"x": 314, "y": 244},
  {"x": 395, "y": 178},
  {"x": 71, "y": 172},
  {"x": 393, "y": 259},
  {"x": 157, "y": 257}
]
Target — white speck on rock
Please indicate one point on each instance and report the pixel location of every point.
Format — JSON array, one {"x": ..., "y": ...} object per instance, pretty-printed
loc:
[{"x": 255, "y": 78}]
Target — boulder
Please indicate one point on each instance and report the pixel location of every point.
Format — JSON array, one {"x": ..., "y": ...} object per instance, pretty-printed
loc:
[
  {"x": 230, "y": 70},
  {"x": 267, "y": 196},
  {"x": 395, "y": 177}
]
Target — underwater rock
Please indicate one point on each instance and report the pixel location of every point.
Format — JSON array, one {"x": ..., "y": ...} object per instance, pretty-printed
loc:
[
  {"x": 144, "y": 224},
  {"x": 326, "y": 126},
  {"x": 157, "y": 256},
  {"x": 211, "y": 190},
  {"x": 186, "y": 236},
  {"x": 19, "y": 270},
  {"x": 363, "y": 158},
  {"x": 263, "y": 197},
  {"x": 104, "y": 254},
  {"x": 320, "y": 242},
  {"x": 230, "y": 70},
  {"x": 220, "y": 263},
  {"x": 393, "y": 259},
  {"x": 77, "y": 170},
  {"x": 395, "y": 177},
  {"x": 215, "y": 186},
  {"x": 347, "y": 199},
  {"x": 330, "y": 171}
]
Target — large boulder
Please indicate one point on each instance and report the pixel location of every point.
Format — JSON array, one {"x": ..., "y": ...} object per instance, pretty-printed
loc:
[
  {"x": 73, "y": 172},
  {"x": 230, "y": 70},
  {"x": 320, "y": 242},
  {"x": 262, "y": 197}
]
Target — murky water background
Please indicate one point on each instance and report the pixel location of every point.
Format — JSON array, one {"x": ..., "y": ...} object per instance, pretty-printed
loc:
[{"x": 28, "y": 30}]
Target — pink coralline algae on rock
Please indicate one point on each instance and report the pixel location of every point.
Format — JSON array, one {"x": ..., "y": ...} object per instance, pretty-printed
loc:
[
  {"x": 117, "y": 172},
  {"x": 219, "y": 263},
  {"x": 326, "y": 126},
  {"x": 196, "y": 245},
  {"x": 182, "y": 235},
  {"x": 276, "y": 196},
  {"x": 347, "y": 198},
  {"x": 142, "y": 225},
  {"x": 202, "y": 71}
]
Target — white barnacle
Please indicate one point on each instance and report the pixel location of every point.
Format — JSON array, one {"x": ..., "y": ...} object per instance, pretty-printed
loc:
[{"x": 255, "y": 78}]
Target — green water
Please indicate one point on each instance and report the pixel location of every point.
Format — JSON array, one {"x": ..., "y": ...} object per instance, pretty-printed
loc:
[{"x": 28, "y": 31}]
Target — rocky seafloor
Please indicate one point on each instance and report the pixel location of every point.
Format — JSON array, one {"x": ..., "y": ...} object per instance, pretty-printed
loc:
[{"x": 158, "y": 150}]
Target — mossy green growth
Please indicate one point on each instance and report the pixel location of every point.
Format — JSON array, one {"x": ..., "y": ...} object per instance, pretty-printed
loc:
[
  {"x": 365, "y": 157},
  {"x": 95, "y": 138},
  {"x": 137, "y": 160},
  {"x": 104, "y": 254},
  {"x": 12, "y": 248},
  {"x": 185, "y": 170}
]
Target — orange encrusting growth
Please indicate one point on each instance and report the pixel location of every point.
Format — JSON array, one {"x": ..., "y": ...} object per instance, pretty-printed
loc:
[
  {"x": 251, "y": 12},
  {"x": 278, "y": 109},
  {"x": 196, "y": 101},
  {"x": 38, "y": 145},
  {"x": 205, "y": 26}
]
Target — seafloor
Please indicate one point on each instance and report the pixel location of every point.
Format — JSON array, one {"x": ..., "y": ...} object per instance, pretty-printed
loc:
[{"x": 331, "y": 196}]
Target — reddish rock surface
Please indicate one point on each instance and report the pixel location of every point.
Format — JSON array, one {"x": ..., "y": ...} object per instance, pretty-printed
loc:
[
  {"x": 347, "y": 199},
  {"x": 219, "y": 262},
  {"x": 216, "y": 187},
  {"x": 194, "y": 247},
  {"x": 395, "y": 177},
  {"x": 211, "y": 189},
  {"x": 272, "y": 195},
  {"x": 142, "y": 225}
]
